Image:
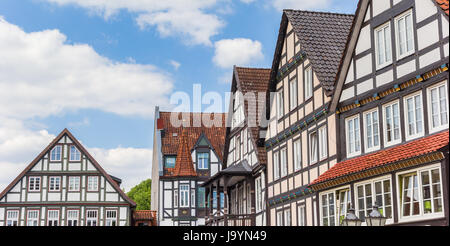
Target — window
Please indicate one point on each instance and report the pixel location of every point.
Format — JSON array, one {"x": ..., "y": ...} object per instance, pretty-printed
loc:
[
  {"x": 75, "y": 154},
  {"x": 203, "y": 161},
  {"x": 379, "y": 192},
  {"x": 238, "y": 148},
  {"x": 438, "y": 102},
  {"x": 353, "y": 137},
  {"x": 184, "y": 196},
  {"x": 372, "y": 130},
  {"x": 293, "y": 94},
  {"x": 301, "y": 213},
  {"x": 344, "y": 202},
  {"x": 74, "y": 183},
  {"x": 55, "y": 154},
  {"x": 280, "y": 221},
  {"x": 421, "y": 193},
  {"x": 313, "y": 148},
  {"x": 287, "y": 217},
  {"x": 280, "y": 104},
  {"x": 12, "y": 218},
  {"x": 54, "y": 183},
  {"x": 201, "y": 197},
  {"x": 175, "y": 198},
  {"x": 297, "y": 155},
  {"x": 72, "y": 217},
  {"x": 92, "y": 183},
  {"x": 34, "y": 184},
  {"x": 284, "y": 166},
  {"x": 259, "y": 194},
  {"x": 323, "y": 148},
  {"x": 33, "y": 218},
  {"x": 404, "y": 34},
  {"x": 222, "y": 201},
  {"x": 328, "y": 210},
  {"x": 111, "y": 218},
  {"x": 383, "y": 45},
  {"x": 308, "y": 83},
  {"x": 170, "y": 161},
  {"x": 91, "y": 217},
  {"x": 414, "y": 116},
  {"x": 276, "y": 167},
  {"x": 392, "y": 124},
  {"x": 52, "y": 217},
  {"x": 192, "y": 197}
]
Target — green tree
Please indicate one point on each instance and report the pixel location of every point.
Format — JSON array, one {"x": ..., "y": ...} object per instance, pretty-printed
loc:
[{"x": 141, "y": 194}]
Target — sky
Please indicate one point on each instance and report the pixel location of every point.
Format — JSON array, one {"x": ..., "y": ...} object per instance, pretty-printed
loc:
[{"x": 99, "y": 68}]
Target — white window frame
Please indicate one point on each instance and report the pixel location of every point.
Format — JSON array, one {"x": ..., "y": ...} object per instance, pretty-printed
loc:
[
  {"x": 75, "y": 154},
  {"x": 372, "y": 183},
  {"x": 421, "y": 216},
  {"x": 258, "y": 194},
  {"x": 430, "y": 107},
  {"x": 184, "y": 195},
  {"x": 34, "y": 188},
  {"x": 323, "y": 143},
  {"x": 386, "y": 62},
  {"x": 280, "y": 103},
  {"x": 56, "y": 148},
  {"x": 10, "y": 219},
  {"x": 309, "y": 83},
  {"x": 301, "y": 214},
  {"x": 93, "y": 220},
  {"x": 283, "y": 162},
  {"x": 293, "y": 91},
  {"x": 353, "y": 152},
  {"x": 71, "y": 218},
  {"x": 297, "y": 146},
  {"x": 74, "y": 186},
  {"x": 280, "y": 219},
  {"x": 205, "y": 166},
  {"x": 406, "y": 116},
  {"x": 53, "y": 220},
  {"x": 385, "y": 132},
  {"x": 397, "y": 33},
  {"x": 33, "y": 220},
  {"x": 365, "y": 125},
  {"x": 336, "y": 205},
  {"x": 313, "y": 150},
  {"x": 287, "y": 217},
  {"x": 111, "y": 220},
  {"x": 52, "y": 185},
  {"x": 90, "y": 185},
  {"x": 276, "y": 165}
]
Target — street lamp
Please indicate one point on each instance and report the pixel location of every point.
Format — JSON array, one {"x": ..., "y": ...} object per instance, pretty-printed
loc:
[
  {"x": 351, "y": 219},
  {"x": 375, "y": 218}
]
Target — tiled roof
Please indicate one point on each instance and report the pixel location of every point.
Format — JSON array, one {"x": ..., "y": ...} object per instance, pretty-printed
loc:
[
  {"x": 444, "y": 5},
  {"x": 184, "y": 166},
  {"x": 255, "y": 80},
  {"x": 144, "y": 215},
  {"x": 323, "y": 36},
  {"x": 395, "y": 154},
  {"x": 170, "y": 141}
]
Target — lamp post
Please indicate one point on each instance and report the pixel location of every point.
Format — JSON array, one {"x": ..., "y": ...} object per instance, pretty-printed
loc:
[
  {"x": 351, "y": 219},
  {"x": 375, "y": 218}
]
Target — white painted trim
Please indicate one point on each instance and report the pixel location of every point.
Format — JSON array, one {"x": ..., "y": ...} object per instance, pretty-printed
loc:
[
  {"x": 336, "y": 216},
  {"x": 357, "y": 153},
  {"x": 430, "y": 113},
  {"x": 387, "y": 63},
  {"x": 396, "y": 34},
  {"x": 405, "y": 112},
  {"x": 374, "y": 148},
  {"x": 393, "y": 142}
]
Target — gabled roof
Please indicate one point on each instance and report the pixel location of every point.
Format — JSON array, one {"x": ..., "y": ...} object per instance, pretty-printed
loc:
[
  {"x": 184, "y": 166},
  {"x": 322, "y": 37},
  {"x": 444, "y": 4},
  {"x": 144, "y": 215},
  {"x": 81, "y": 149},
  {"x": 385, "y": 157},
  {"x": 170, "y": 140}
]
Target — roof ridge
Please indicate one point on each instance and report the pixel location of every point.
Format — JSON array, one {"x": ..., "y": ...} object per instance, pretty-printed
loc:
[
  {"x": 317, "y": 12},
  {"x": 254, "y": 68}
]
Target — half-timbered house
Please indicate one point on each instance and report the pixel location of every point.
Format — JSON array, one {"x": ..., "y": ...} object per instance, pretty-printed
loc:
[
  {"x": 391, "y": 99},
  {"x": 242, "y": 180},
  {"x": 185, "y": 156},
  {"x": 301, "y": 139},
  {"x": 65, "y": 186}
]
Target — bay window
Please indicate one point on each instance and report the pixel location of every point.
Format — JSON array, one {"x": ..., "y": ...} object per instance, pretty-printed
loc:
[
  {"x": 404, "y": 34},
  {"x": 392, "y": 133},
  {"x": 353, "y": 136},
  {"x": 383, "y": 45},
  {"x": 369, "y": 193},
  {"x": 372, "y": 129},
  {"x": 203, "y": 161},
  {"x": 414, "y": 116},
  {"x": 438, "y": 106}
]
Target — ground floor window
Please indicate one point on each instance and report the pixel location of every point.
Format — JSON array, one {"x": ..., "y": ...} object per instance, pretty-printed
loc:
[
  {"x": 52, "y": 217},
  {"x": 328, "y": 210},
  {"x": 72, "y": 217},
  {"x": 91, "y": 217},
  {"x": 12, "y": 218},
  {"x": 379, "y": 192},
  {"x": 111, "y": 218},
  {"x": 301, "y": 213},
  {"x": 33, "y": 218},
  {"x": 280, "y": 220}
]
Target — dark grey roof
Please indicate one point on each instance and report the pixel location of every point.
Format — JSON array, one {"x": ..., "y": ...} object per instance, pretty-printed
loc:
[
  {"x": 323, "y": 36},
  {"x": 241, "y": 167}
]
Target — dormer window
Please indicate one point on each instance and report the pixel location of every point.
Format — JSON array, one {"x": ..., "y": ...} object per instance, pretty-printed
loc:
[
  {"x": 170, "y": 162},
  {"x": 55, "y": 154},
  {"x": 203, "y": 161},
  {"x": 75, "y": 154}
]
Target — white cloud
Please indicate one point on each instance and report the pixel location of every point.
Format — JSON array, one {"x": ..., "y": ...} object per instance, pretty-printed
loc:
[
  {"x": 248, "y": 1},
  {"x": 42, "y": 75},
  {"x": 239, "y": 51},
  {"x": 175, "y": 64},
  {"x": 187, "y": 18},
  {"x": 301, "y": 4}
]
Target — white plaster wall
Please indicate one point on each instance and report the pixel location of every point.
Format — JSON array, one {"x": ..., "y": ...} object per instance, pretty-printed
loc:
[
  {"x": 430, "y": 57},
  {"x": 364, "y": 66},
  {"x": 92, "y": 197},
  {"x": 406, "y": 68},
  {"x": 364, "y": 86},
  {"x": 364, "y": 41},
  {"x": 424, "y": 9},
  {"x": 385, "y": 78},
  {"x": 347, "y": 94},
  {"x": 113, "y": 197},
  {"x": 380, "y": 6},
  {"x": 428, "y": 35}
]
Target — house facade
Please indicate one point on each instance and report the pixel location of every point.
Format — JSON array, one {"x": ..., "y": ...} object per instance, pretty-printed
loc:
[
  {"x": 301, "y": 140},
  {"x": 391, "y": 102},
  {"x": 186, "y": 154},
  {"x": 65, "y": 186},
  {"x": 242, "y": 180}
]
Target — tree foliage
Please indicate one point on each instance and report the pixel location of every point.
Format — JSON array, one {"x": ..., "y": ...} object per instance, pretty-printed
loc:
[{"x": 141, "y": 194}]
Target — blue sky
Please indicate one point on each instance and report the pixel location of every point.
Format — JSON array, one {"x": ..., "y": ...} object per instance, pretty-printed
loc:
[{"x": 148, "y": 49}]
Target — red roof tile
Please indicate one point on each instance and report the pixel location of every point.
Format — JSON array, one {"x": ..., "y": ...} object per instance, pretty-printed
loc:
[
  {"x": 184, "y": 165},
  {"x": 444, "y": 5},
  {"x": 406, "y": 151},
  {"x": 144, "y": 215}
]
